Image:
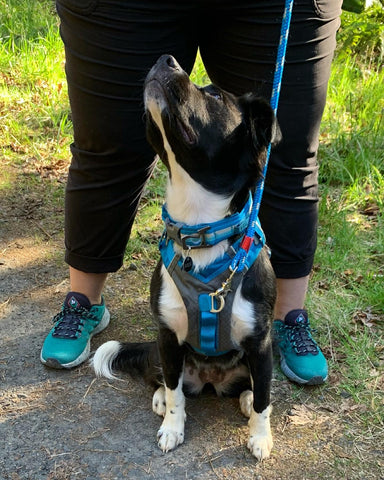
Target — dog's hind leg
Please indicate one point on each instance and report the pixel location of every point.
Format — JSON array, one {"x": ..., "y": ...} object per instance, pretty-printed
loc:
[
  {"x": 171, "y": 432},
  {"x": 256, "y": 404},
  {"x": 246, "y": 403},
  {"x": 158, "y": 402}
]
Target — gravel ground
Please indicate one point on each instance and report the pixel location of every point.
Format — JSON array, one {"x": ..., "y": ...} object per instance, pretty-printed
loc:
[{"x": 69, "y": 425}]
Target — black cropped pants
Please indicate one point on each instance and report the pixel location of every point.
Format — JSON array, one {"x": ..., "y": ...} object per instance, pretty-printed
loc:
[{"x": 110, "y": 46}]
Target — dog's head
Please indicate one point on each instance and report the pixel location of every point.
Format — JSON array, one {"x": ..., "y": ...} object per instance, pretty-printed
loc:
[{"x": 220, "y": 140}]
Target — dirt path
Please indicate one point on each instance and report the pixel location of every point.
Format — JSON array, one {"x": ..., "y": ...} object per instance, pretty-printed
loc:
[{"x": 67, "y": 425}]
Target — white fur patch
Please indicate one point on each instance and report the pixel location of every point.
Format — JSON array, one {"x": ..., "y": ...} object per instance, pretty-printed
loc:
[
  {"x": 172, "y": 308},
  {"x": 187, "y": 201},
  {"x": 246, "y": 403},
  {"x": 243, "y": 318},
  {"x": 260, "y": 441},
  {"x": 192, "y": 380},
  {"x": 103, "y": 358},
  {"x": 158, "y": 402},
  {"x": 171, "y": 432},
  {"x": 190, "y": 203}
]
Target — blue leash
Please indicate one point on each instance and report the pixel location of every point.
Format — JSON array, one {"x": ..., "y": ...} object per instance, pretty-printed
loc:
[{"x": 238, "y": 262}]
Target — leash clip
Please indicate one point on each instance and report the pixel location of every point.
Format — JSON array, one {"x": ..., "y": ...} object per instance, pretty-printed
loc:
[{"x": 221, "y": 293}]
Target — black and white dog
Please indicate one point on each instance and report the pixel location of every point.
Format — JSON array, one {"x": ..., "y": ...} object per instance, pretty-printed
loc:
[{"x": 214, "y": 146}]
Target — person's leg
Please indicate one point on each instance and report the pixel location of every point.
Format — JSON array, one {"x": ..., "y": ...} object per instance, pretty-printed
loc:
[
  {"x": 108, "y": 54},
  {"x": 89, "y": 284},
  {"x": 291, "y": 293},
  {"x": 110, "y": 46},
  {"x": 240, "y": 56}
]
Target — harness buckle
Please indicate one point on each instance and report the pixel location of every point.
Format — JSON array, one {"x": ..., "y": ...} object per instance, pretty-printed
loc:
[
  {"x": 221, "y": 293},
  {"x": 172, "y": 230},
  {"x": 199, "y": 234}
]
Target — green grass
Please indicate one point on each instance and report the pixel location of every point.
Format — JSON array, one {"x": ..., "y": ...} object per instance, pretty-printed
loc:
[
  {"x": 346, "y": 298},
  {"x": 35, "y": 118},
  {"x": 353, "y": 124}
]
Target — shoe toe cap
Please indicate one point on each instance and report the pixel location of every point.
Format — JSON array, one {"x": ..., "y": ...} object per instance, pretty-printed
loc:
[
  {"x": 308, "y": 369},
  {"x": 63, "y": 353}
]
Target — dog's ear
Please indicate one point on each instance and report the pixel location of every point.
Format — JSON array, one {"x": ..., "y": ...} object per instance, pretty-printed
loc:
[{"x": 260, "y": 120}]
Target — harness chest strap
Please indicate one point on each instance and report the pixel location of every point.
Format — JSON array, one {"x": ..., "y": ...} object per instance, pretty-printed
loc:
[{"x": 210, "y": 325}]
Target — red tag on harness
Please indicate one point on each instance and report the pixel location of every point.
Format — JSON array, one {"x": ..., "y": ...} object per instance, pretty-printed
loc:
[{"x": 246, "y": 243}]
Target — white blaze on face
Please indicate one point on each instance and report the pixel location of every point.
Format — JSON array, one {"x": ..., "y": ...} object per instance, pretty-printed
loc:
[{"x": 187, "y": 201}]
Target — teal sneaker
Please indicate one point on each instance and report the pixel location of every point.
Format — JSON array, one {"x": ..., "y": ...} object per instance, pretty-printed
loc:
[
  {"x": 301, "y": 360},
  {"x": 68, "y": 343}
]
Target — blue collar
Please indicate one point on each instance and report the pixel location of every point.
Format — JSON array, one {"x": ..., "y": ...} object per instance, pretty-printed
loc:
[
  {"x": 207, "y": 234},
  {"x": 210, "y": 272}
]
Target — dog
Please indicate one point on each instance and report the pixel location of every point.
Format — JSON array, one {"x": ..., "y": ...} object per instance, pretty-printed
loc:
[{"x": 214, "y": 147}]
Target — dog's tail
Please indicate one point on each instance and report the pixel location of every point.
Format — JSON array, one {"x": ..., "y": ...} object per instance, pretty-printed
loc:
[{"x": 137, "y": 359}]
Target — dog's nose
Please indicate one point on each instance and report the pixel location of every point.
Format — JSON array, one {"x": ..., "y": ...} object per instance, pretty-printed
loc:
[{"x": 170, "y": 61}]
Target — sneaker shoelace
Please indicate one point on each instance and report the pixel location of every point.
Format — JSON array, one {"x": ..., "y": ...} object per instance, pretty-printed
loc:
[
  {"x": 301, "y": 339},
  {"x": 70, "y": 321}
]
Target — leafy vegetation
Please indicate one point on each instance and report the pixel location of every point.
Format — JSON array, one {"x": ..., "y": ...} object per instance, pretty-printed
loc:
[{"x": 363, "y": 35}]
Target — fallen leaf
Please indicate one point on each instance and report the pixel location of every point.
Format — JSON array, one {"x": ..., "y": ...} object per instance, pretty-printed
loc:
[
  {"x": 305, "y": 414},
  {"x": 366, "y": 318}
]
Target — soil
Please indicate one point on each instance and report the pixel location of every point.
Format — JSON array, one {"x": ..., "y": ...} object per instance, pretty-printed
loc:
[{"x": 58, "y": 425}]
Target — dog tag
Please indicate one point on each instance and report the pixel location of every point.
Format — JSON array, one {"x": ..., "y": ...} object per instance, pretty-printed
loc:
[{"x": 188, "y": 264}]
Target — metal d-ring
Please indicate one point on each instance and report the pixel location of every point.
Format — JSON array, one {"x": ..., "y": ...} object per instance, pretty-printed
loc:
[{"x": 221, "y": 301}]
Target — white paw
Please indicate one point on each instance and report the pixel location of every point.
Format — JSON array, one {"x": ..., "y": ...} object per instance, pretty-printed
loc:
[
  {"x": 171, "y": 433},
  {"x": 260, "y": 441},
  {"x": 158, "y": 402},
  {"x": 260, "y": 446},
  {"x": 169, "y": 439},
  {"x": 246, "y": 403}
]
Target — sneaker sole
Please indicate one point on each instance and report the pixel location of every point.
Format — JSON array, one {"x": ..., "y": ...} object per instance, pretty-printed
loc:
[
  {"x": 317, "y": 380},
  {"x": 54, "y": 363}
]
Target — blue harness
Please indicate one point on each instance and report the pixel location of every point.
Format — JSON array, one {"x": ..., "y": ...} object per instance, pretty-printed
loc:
[{"x": 209, "y": 292}]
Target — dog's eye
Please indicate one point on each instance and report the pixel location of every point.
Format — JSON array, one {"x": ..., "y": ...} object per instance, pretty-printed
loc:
[
  {"x": 212, "y": 92},
  {"x": 216, "y": 95}
]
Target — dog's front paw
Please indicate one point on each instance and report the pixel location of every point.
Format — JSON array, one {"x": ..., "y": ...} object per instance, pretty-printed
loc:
[
  {"x": 260, "y": 446},
  {"x": 169, "y": 439},
  {"x": 260, "y": 441},
  {"x": 158, "y": 402}
]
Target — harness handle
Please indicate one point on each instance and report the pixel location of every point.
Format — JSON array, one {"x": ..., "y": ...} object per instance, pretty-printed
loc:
[{"x": 239, "y": 259}]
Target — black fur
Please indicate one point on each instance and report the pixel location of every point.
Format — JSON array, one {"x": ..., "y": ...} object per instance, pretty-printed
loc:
[{"x": 140, "y": 360}]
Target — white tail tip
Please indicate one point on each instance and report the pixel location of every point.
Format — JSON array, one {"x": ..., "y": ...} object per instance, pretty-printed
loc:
[{"x": 103, "y": 359}]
